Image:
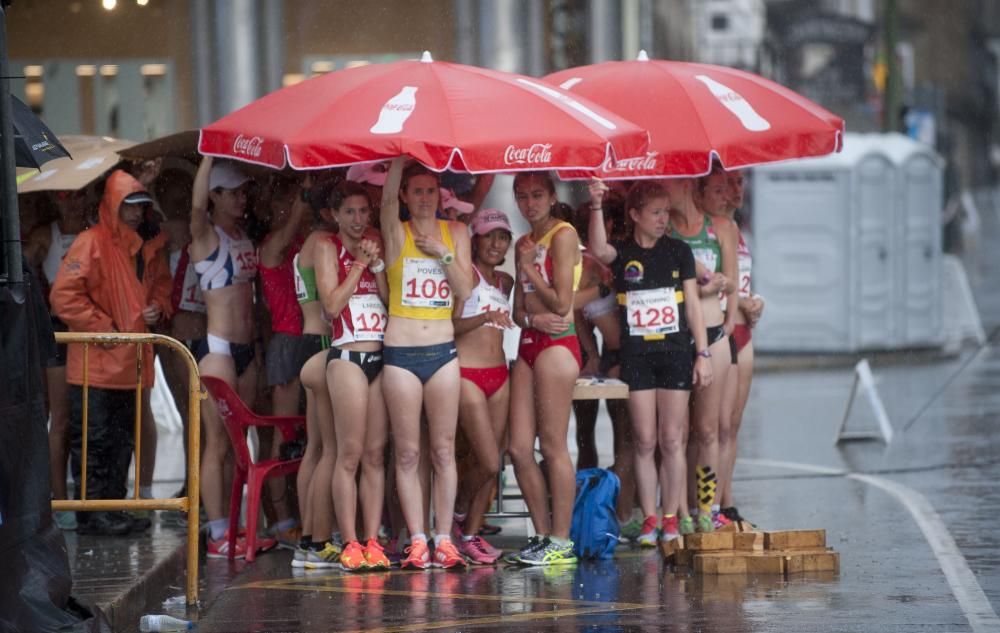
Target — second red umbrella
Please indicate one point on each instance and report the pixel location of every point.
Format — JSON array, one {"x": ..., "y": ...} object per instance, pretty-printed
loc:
[
  {"x": 447, "y": 116},
  {"x": 696, "y": 111}
]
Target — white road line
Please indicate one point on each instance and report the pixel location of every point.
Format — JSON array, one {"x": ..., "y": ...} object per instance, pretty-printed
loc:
[{"x": 971, "y": 598}]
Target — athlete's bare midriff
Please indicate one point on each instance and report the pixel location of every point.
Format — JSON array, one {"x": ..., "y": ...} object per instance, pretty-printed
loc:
[
  {"x": 404, "y": 332},
  {"x": 188, "y": 326},
  {"x": 230, "y": 312},
  {"x": 482, "y": 347}
]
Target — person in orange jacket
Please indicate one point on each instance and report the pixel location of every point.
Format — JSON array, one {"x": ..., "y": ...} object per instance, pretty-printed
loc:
[{"x": 110, "y": 281}]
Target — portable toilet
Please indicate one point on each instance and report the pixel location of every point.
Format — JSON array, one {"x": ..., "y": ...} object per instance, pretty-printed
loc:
[{"x": 847, "y": 248}]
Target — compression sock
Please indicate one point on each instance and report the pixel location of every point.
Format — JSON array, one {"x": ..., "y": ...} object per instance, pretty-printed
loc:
[{"x": 706, "y": 489}]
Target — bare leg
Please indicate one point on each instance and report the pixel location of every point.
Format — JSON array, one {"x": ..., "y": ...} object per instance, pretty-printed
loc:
[
  {"x": 642, "y": 411},
  {"x": 672, "y": 416},
  {"x": 555, "y": 373},
  {"x": 403, "y": 396},
  {"x": 585, "y": 412},
  {"x": 745, "y": 378},
  {"x": 480, "y": 420},
  {"x": 441, "y": 402},
  {"x": 349, "y": 391},
  {"x": 727, "y": 435},
  {"x": 214, "y": 496},
  {"x": 523, "y": 432},
  {"x": 372, "y": 484},
  {"x": 284, "y": 401},
  {"x": 705, "y": 414}
]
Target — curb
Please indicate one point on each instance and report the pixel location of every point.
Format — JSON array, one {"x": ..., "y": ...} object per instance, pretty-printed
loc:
[{"x": 125, "y": 609}]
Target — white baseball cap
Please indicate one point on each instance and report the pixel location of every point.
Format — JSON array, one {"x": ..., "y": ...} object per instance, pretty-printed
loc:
[
  {"x": 226, "y": 175},
  {"x": 371, "y": 173},
  {"x": 489, "y": 219},
  {"x": 450, "y": 201}
]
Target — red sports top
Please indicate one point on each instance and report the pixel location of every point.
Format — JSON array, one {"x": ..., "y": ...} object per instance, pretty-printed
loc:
[{"x": 279, "y": 293}]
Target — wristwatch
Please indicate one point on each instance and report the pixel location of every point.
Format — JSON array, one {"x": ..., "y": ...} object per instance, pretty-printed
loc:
[
  {"x": 704, "y": 353},
  {"x": 447, "y": 259}
]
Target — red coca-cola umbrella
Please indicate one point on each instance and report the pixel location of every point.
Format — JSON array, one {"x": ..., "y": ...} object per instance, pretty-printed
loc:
[
  {"x": 696, "y": 111},
  {"x": 447, "y": 116}
]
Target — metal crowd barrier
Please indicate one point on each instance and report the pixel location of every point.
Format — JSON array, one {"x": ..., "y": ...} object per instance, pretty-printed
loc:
[{"x": 187, "y": 504}]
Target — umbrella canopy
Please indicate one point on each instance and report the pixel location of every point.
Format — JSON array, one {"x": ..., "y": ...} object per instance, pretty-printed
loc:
[
  {"x": 447, "y": 116},
  {"x": 696, "y": 111},
  {"x": 92, "y": 157},
  {"x": 180, "y": 145},
  {"x": 34, "y": 142}
]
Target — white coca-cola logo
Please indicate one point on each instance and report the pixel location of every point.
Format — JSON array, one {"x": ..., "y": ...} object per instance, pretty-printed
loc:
[
  {"x": 537, "y": 154},
  {"x": 636, "y": 163},
  {"x": 248, "y": 146}
]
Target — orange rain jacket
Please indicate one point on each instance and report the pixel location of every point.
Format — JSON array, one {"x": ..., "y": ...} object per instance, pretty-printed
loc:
[{"x": 97, "y": 290}]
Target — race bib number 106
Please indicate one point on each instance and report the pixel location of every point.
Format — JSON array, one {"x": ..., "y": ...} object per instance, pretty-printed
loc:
[{"x": 425, "y": 284}]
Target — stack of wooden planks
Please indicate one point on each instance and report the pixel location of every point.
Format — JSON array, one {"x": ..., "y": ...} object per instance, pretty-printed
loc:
[{"x": 739, "y": 549}]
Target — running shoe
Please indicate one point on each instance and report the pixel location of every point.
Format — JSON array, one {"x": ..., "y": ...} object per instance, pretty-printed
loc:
[
  {"x": 550, "y": 553},
  {"x": 392, "y": 552},
  {"x": 219, "y": 548},
  {"x": 705, "y": 524},
  {"x": 477, "y": 550},
  {"x": 326, "y": 558},
  {"x": 375, "y": 555},
  {"x": 533, "y": 543},
  {"x": 685, "y": 526},
  {"x": 417, "y": 556},
  {"x": 631, "y": 530},
  {"x": 648, "y": 534},
  {"x": 734, "y": 515},
  {"x": 287, "y": 539},
  {"x": 720, "y": 520},
  {"x": 353, "y": 557},
  {"x": 446, "y": 556},
  {"x": 488, "y": 529},
  {"x": 299, "y": 558},
  {"x": 671, "y": 528}
]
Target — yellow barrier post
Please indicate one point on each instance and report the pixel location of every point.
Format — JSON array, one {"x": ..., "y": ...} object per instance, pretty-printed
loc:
[{"x": 187, "y": 504}]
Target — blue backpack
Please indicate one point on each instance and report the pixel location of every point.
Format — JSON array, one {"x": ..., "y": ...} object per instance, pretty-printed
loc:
[{"x": 595, "y": 525}]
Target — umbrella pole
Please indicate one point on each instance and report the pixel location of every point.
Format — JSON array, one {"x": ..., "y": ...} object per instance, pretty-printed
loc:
[{"x": 10, "y": 229}]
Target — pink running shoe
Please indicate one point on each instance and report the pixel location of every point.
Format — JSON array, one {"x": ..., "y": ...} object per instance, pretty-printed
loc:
[{"x": 475, "y": 549}]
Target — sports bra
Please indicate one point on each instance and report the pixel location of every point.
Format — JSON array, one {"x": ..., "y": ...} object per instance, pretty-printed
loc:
[
  {"x": 418, "y": 286},
  {"x": 485, "y": 297},
  {"x": 543, "y": 259},
  {"x": 704, "y": 245},
  {"x": 364, "y": 317},
  {"x": 57, "y": 250},
  {"x": 233, "y": 262}
]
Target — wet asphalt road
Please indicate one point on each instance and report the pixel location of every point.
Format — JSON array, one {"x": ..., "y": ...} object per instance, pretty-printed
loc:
[{"x": 890, "y": 578}]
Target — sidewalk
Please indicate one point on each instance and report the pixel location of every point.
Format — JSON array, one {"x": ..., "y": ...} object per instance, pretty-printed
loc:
[{"x": 119, "y": 575}]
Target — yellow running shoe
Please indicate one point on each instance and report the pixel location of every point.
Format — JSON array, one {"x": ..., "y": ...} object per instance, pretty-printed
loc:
[
  {"x": 353, "y": 557},
  {"x": 324, "y": 558},
  {"x": 375, "y": 555}
]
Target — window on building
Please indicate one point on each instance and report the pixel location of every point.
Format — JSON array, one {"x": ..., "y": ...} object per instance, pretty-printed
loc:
[{"x": 720, "y": 22}]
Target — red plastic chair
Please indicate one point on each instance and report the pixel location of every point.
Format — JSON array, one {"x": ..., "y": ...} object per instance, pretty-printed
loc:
[{"x": 238, "y": 418}]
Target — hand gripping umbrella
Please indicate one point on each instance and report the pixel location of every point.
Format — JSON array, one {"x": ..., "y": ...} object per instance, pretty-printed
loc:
[
  {"x": 447, "y": 116},
  {"x": 695, "y": 112}
]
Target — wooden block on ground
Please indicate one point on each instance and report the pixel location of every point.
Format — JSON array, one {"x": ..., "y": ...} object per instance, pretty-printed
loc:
[
  {"x": 684, "y": 557},
  {"x": 732, "y": 526},
  {"x": 721, "y": 563},
  {"x": 710, "y": 541},
  {"x": 795, "y": 539},
  {"x": 799, "y": 561},
  {"x": 749, "y": 541},
  {"x": 605, "y": 389},
  {"x": 670, "y": 548}
]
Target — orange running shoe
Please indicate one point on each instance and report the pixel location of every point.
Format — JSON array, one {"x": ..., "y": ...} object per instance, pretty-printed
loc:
[
  {"x": 446, "y": 556},
  {"x": 353, "y": 557},
  {"x": 418, "y": 556},
  {"x": 375, "y": 555}
]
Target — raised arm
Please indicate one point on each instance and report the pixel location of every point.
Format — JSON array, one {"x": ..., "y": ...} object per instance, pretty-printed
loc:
[
  {"x": 389, "y": 223},
  {"x": 597, "y": 236},
  {"x": 484, "y": 182},
  {"x": 279, "y": 239},
  {"x": 200, "y": 224}
]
